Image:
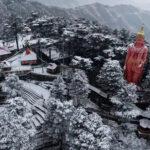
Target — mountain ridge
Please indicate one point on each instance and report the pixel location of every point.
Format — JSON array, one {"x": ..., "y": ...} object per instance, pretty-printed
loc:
[{"x": 119, "y": 16}]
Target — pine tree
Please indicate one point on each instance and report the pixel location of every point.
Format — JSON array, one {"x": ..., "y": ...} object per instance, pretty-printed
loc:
[
  {"x": 57, "y": 119},
  {"x": 124, "y": 35},
  {"x": 125, "y": 100},
  {"x": 110, "y": 78},
  {"x": 59, "y": 90},
  {"x": 16, "y": 130},
  {"x": 12, "y": 85},
  {"x": 87, "y": 132},
  {"x": 78, "y": 88}
]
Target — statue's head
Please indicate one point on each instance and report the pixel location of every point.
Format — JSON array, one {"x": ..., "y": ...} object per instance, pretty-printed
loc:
[{"x": 140, "y": 38}]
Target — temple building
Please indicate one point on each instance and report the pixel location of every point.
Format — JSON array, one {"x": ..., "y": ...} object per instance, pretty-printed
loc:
[
  {"x": 135, "y": 59},
  {"x": 28, "y": 57}
]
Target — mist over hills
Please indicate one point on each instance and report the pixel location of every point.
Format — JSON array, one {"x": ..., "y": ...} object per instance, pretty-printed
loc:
[
  {"x": 119, "y": 16},
  {"x": 21, "y": 7},
  {"x": 66, "y": 3},
  {"x": 142, "y": 4}
]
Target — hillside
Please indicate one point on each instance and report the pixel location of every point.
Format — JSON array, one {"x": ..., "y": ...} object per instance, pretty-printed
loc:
[
  {"x": 120, "y": 16},
  {"x": 65, "y": 3},
  {"x": 21, "y": 7},
  {"x": 97, "y": 56},
  {"x": 144, "y": 4}
]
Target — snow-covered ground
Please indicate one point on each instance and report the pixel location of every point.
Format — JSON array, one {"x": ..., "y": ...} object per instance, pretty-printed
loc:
[
  {"x": 54, "y": 54},
  {"x": 15, "y": 61},
  {"x": 37, "y": 89},
  {"x": 42, "y": 71}
]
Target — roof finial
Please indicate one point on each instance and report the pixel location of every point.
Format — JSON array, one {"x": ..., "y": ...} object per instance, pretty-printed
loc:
[
  {"x": 140, "y": 34},
  {"x": 142, "y": 29}
]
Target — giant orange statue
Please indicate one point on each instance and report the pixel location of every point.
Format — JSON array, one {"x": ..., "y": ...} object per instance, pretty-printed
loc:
[{"x": 135, "y": 58}]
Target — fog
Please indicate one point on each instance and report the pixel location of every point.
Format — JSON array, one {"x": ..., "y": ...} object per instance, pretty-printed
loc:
[{"x": 143, "y": 4}]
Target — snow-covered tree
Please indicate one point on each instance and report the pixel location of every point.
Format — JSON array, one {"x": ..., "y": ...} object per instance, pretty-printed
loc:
[
  {"x": 110, "y": 77},
  {"x": 59, "y": 89},
  {"x": 83, "y": 63},
  {"x": 125, "y": 100},
  {"x": 127, "y": 94},
  {"x": 78, "y": 88},
  {"x": 57, "y": 118},
  {"x": 11, "y": 85},
  {"x": 15, "y": 127},
  {"x": 87, "y": 132},
  {"x": 124, "y": 137},
  {"x": 124, "y": 35}
]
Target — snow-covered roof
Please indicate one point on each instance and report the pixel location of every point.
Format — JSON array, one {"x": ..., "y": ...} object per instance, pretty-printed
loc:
[
  {"x": 145, "y": 123},
  {"x": 146, "y": 114},
  {"x": 22, "y": 68},
  {"x": 79, "y": 58},
  {"x": 42, "y": 20},
  {"x": 4, "y": 51},
  {"x": 31, "y": 56},
  {"x": 35, "y": 24},
  {"x": 51, "y": 41},
  {"x": 27, "y": 28},
  {"x": 43, "y": 40},
  {"x": 32, "y": 42},
  {"x": 66, "y": 32},
  {"x": 11, "y": 47},
  {"x": 52, "y": 66},
  {"x": 98, "y": 58}
]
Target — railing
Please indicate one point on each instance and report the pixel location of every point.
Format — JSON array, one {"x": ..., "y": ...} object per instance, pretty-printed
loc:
[
  {"x": 108, "y": 115},
  {"x": 98, "y": 91}
]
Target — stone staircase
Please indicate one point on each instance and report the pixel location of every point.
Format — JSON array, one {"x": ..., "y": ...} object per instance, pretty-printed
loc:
[
  {"x": 38, "y": 111},
  {"x": 44, "y": 142}
]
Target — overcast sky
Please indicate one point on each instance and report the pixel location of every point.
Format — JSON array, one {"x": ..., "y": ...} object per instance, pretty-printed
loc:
[{"x": 143, "y": 4}]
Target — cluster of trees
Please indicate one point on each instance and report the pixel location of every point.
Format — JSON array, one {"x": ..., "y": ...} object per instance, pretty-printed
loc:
[
  {"x": 15, "y": 126},
  {"x": 12, "y": 86},
  {"x": 123, "y": 96},
  {"x": 67, "y": 124},
  {"x": 16, "y": 129},
  {"x": 67, "y": 121},
  {"x": 80, "y": 37},
  {"x": 110, "y": 77},
  {"x": 125, "y": 137}
]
